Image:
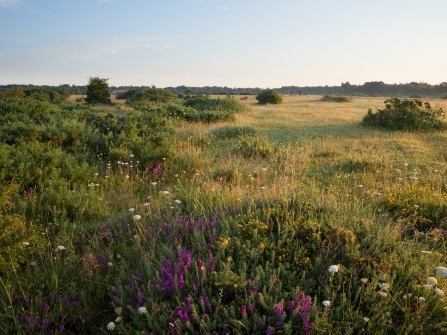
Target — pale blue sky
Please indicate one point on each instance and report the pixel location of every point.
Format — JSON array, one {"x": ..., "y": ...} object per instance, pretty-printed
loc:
[{"x": 235, "y": 43}]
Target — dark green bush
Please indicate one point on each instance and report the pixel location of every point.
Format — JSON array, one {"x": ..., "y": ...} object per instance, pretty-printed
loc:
[
  {"x": 14, "y": 92},
  {"x": 335, "y": 98},
  {"x": 406, "y": 114},
  {"x": 204, "y": 103},
  {"x": 141, "y": 98},
  {"x": 269, "y": 97},
  {"x": 98, "y": 91}
]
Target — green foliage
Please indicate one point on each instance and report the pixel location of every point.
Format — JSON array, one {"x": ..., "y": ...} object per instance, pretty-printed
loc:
[
  {"x": 406, "y": 115},
  {"x": 445, "y": 96},
  {"x": 252, "y": 147},
  {"x": 335, "y": 98},
  {"x": 230, "y": 132},
  {"x": 140, "y": 98},
  {"x": 269, "y": 97},
  {"x": 98, "y": 91},
  {"x": 15, "y": 235},
  {"x": 126, "y": 94},
  {"x": 13, "y": 92}
]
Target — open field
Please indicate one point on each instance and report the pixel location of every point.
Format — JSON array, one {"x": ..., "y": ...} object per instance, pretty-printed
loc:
[{"x": 292, "y": 219}]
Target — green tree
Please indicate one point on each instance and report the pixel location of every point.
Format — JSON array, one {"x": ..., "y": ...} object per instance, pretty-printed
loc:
[
  {"x": 269, "y": 97},
  {"x": 98, "y": 91}
]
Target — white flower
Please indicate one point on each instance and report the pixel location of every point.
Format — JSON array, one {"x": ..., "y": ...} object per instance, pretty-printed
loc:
[
  {"x": 427, "y": 287},
  {"x": 384, "y": 286},
  {"x": 127, "y": 176},
  {"x": 131, "y": 155},
  {"x": 110, "y": 264},
  {"x": 425, "y": 252},
  {"x": 142, "y": 310},
  {"x": 366, "y": 319},
  {"x": 432, "y": 280},
  {"x": 416, "y": 206},
  {"x": 118, "y": 319},
  {"x": 137, "y": 217},
  {"x": 383, "y": 294},
  {"x": 165, "y": 192},
  {"x": 405, "y": 164},
  {"x": 398, "y": 171},
  {"x": 25, "y": 244},
  {"x": 361, "y": 186},
  {"x": 442, "y": 271},
  {"x": 146, "y": 204},
  {"x": 111, "y": 326},
  {"x": 326, "y": 303},
  {"x": 131, "y": 209},
  {"x": 439, "y": 291},
  {"x": 177, "y": 201},
  {"x": 33, "y": 263},
  {"x": 154, "y": 183},
  {"x": 421, "y": 299},
  {"x": 60, "y": 247},
  {"x": 333, "y": 268}
]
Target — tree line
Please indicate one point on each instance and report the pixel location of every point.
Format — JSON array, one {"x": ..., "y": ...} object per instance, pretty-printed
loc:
[{"x": 373, "y": 88}]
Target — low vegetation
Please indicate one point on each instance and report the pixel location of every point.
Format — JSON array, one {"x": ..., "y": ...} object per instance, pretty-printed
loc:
[
  {"x": 297, "y": 221},
  {"x": 336, "y": 98},
  {"x": 406, "y": 114}
]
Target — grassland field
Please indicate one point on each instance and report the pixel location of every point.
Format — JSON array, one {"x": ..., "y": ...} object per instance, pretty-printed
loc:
[{"x": 311, "y": 190}]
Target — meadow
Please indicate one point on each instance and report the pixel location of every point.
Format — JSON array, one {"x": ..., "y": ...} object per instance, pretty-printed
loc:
[{"x": 286, "y": 219}]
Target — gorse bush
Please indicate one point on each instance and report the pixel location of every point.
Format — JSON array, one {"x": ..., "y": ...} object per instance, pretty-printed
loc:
[
  {"x": 335, "y": 98},
  {"x": 269, "y": 97},
  {"x": 139, "y": 98},
  {"x": 406, "y": 115}
]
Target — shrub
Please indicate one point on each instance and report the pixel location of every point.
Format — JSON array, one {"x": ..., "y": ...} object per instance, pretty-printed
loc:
[
  {"x": 269, "y": 97},
  {"x": 14, "y": 92},
  {"x": 445, "y": 96},
  {"x": 335, "y": 98},
  {"x": 251, "y": 147},
  {"x": 203, "y": 103},
  {"x": 406, "y": 114},
  {"x": 146, "y": 97},
  {"x": 98, "y": 91}
]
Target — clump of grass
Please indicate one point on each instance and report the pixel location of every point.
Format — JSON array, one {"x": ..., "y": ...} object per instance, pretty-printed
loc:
[
  {"x": 335, "y": 98},
  {"x": 230, "y": 132},
  {"x": 251, "y": 147},
  {"x": 406, "y": 114}
]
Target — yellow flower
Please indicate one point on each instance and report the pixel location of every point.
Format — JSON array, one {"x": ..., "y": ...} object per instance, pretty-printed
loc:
[
  {"x": 261, "y": 245},
  {"x": 229, "y": 259}
]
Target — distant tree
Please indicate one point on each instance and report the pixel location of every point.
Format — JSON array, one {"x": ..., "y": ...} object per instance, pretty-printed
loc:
[
  {"x": 14, "y": 92},
  {"x": 269, "y": 97},
  {"x": 98, "y": 91}
]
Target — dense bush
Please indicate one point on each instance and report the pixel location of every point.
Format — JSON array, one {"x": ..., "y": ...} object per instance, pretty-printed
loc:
[
  {"x": 141, "y": 98},
  {"x": 269, "y": 97},
  {"x": 14, "y": 92},
  {"x": 336, "y": 98},
  {"x": 205, "y": 103},
  {"x": 406, "y": 114}
]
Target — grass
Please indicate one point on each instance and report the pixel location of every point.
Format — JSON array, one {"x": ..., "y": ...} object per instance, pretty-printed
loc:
[{"x": 275, "y": 208}]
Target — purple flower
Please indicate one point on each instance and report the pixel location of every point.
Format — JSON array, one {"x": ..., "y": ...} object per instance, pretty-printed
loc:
[{"x": 270, "y": 330}]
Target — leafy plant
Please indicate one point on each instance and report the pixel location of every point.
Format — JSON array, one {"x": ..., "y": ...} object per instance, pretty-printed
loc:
[
  {"x": 97, "y": 91},
  {"x": 269, "y": 97},
  {"x": 335, "y": 98},
  {"x": 406, "y": 114}
]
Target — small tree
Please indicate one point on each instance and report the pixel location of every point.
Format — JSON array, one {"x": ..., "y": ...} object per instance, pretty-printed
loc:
[
  {"x": 269, "y": 97},
  {"x": 98, "y": 91}
]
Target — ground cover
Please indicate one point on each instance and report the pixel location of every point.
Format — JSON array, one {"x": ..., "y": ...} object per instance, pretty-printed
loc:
[{"x": 291, "y": 219}]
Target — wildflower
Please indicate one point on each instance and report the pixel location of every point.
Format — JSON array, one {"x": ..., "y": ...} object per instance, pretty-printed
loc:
[
  {"x": 361, "y": 186},
  {"x": 383, "y": 294},
  {"x": 142, "y": 310},
  {"x": 442, "y": 271},
  {"x": 416, "y": 206},
  {"x": 439, "y": 291},
  {"x": 326, "y": 303},
  {"x": 60, "y": 247},
  {"x": 33, "y": 263},
  {"x": 127, "y": 176},
  {"x": 421, "y": 299},
  {"x": 111, "y": 326},
  {"x": 425, "y": 252},
  {"x": 405, "y": 164},
  {"x": 154, "y": 183},
  {"x": 427, "y": 287},
  {"x": 432, "y": 280},
  {"x": 165, "y": 192},
  {"x": 366, "y": 319},
  {"x": 398, "y": 171},
  {"x": 25, "y": 244},
  {"x": 118, "y": 319},
  {"x": 177, "y": 201},
  {"x": 131, "y": 209},
  {"x": 270, "y": 330},
  {"x": 110, "y": 264},
  {"x": 384, "y": 286},
  {"x": 333, "y": 268},
  {"x": 131, "y": 155},
  {"x": 137, "y": 217}
]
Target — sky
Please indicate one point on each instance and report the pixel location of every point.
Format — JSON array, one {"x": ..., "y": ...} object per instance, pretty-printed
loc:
[{"x": 234, "y": 43}]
